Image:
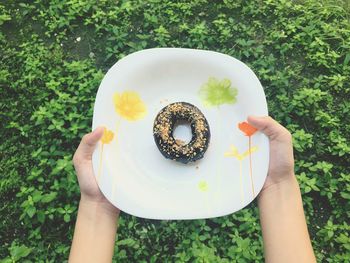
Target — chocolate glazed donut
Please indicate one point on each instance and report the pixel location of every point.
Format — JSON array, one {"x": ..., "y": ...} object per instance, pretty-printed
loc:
[{"x": 177, "y": 150}]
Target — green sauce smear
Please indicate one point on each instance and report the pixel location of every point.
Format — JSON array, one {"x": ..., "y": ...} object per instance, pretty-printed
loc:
[{"x": 215, "y": 92}]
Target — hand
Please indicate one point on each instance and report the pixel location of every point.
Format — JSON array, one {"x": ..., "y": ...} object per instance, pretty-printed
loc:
[
  {"x": 96, "y": 226},
  {"x": 285, "y": 234},
  {"x": 281, "y": 166},
  {"x": 82, "y": 159}
]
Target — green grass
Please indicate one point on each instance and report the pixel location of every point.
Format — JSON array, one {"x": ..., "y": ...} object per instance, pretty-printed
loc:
[{"x": 300, "y": 50}]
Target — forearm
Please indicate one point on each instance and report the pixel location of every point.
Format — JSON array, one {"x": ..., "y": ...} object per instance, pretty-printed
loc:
[
  {"x": 94, "y": 234},
  {"x": 284, "y": 229}
]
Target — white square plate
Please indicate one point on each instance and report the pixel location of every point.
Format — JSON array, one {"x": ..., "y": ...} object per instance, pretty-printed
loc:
[{"x": 130, "y": 170}]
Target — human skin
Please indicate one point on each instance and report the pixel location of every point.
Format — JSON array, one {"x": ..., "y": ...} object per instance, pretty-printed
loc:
[
  {"x": 285, "y": 234},
  {"x": 96, "y": 225},
  {"x": 283, "y": 224}
]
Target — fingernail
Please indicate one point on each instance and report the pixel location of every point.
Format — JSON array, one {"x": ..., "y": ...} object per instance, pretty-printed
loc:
[
  {"x": 98, "y": 129},
  {"x": 252, "y": 117}
]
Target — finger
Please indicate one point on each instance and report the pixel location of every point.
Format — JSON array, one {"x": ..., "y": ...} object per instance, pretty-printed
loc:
[
  {"x": 268, "y": 126},
  {"x": 88, "y": 144}
]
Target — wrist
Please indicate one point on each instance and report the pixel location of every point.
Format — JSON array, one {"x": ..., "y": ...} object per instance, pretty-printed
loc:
[
  {"x": 95, "y": 231},
  {"x": 285, "y": 186},
  {"x": 105, "y": 208}
]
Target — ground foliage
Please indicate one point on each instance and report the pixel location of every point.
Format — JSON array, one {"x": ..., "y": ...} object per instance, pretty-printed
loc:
[{"x": 53, "y": 56}]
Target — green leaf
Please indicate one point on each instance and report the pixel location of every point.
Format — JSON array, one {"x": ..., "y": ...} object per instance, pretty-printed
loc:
[
  {"x": 4, "y": 18},
  {"x": 347, "y": 59},
  {"x": 126, "y": 242},
  {"x": 307, "y": 189},
  {"x": 31, "y": 211},
  {"x": 66, "y": 218},
  {"x": 41, "y": 216},
  {"x": 18, "y": 252},
  {"x": 49, "y": 197},
  {"x": 330, "y": 234},
  {"x": 345, "y": 195}
]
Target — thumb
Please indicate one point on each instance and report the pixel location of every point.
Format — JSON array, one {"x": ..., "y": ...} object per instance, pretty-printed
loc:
[
  {"x": 88, "y": 144},
  {"x": 269, "y": 127}
]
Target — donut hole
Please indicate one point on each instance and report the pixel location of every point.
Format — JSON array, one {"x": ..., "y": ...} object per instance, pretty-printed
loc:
[{"x": 182, "y": 132}]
